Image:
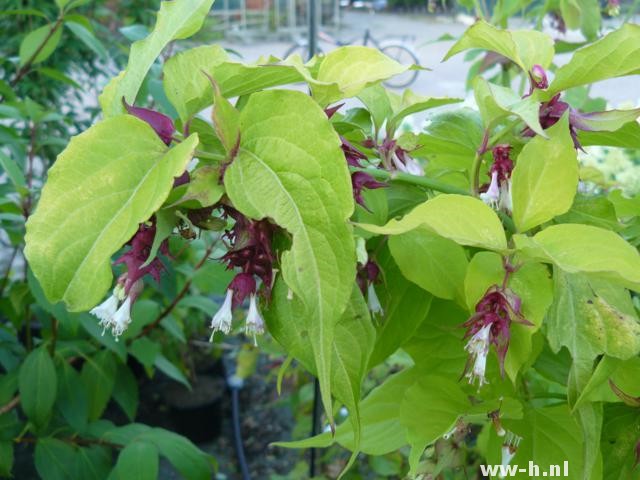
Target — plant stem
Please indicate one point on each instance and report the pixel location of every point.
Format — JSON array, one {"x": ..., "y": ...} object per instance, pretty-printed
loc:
[
  {"x": 385, "y": 175},
  {"x": 146, "y": 330},
  {"x": 27, "y": 65}
]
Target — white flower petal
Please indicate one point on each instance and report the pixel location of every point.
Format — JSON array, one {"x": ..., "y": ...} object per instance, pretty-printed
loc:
[{"x": 222, "y": 319}]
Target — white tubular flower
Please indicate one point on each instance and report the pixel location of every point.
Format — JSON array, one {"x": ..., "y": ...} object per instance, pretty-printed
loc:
[
  {"x": 373, "y": 302},
  {"x": 509, "y": 449},
  {"x": 105, "y": 312},
  {"x": 222, "y": 319},
  {"x": 254, "y": 324},
  {"x": 478, "y": 348},
  {"x": 413, "y": 167},
  {"x": 121, "y": 319},
  {"x": 505, "y": 202},
  {"x": 492, "y": 196}
]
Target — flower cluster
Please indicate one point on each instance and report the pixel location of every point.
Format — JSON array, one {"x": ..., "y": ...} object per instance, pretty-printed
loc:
[
  {"x": 115, "y": 312},
  {"x": 354, "y": 158},
  {"x": 399, "y": 159},
  {"x": 367, "y": 276},
  {"x": 498, "y": 193},
  {"x": 250, "y": 251},
  {"x": 491, "y": 325}
]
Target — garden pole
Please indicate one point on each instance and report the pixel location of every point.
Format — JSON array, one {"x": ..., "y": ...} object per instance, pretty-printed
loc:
[{"x": 313, "y": 28}]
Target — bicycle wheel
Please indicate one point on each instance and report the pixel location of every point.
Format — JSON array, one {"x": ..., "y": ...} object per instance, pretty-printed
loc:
[
  {"x": 401, "y": 54},
  {"x": 301, "y": 48}
]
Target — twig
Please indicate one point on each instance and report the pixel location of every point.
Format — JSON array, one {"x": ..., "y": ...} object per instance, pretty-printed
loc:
[
  {"x": 176, "y": 300},
  {"x": 10, "y": 406},
  {"x": 430, "y": 183}
]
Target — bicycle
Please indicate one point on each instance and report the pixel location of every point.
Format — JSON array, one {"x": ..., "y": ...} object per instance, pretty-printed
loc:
[{"x": 397, "y": 49}]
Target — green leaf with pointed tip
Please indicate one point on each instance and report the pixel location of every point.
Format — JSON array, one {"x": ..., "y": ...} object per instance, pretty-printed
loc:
[
  {"x": 177, "y": 19},
  {"x": 138, "y": 460},
  {"x": 32, "y": 42},
  {"x": 545, "y": 179},
  {"x": 410, "y": 103},
  {"x": 584, "y": 320},
  {"x": 189, "y": 90},
  {"x": 346, "y": 71},
  {"x": 99, "y": 376},
  {"x": 106, "y": 182},
  {"x": 354, "y": 339},
  {"x": 608, "y": 121},
  {"x": 382, "y": 431},
  {"x": 203, "y": 190},
  {"x": 226, "y": 120},
  {"x": 550, "y": 436},
  {"x": 405, "y": 307},
  {"x": 38, "y": 385},
  {"x": 525, "y": 48},
  {"x": 496, "y": 102},
  {"x": 432, "y": 262},
  {"x": 465, "y": 220},
  {"x": 583, "y": 248},
  {"x": 614, "y": 55},
  {"x": 300, "y": 182}
]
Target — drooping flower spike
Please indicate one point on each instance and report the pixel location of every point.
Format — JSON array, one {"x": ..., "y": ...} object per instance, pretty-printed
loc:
[
  {"x": 115, "y": 312},
  {"x": 498, "y": 194},
  {"x": 360, "y": 181},
  {"x": 491, "y": 325}
]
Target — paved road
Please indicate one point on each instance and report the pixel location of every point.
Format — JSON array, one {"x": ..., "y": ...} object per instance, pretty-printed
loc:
[{"x": 445, "y": 79}]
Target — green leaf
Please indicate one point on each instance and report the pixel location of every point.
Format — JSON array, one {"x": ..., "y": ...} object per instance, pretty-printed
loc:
[
  {"x": 88, "y": 38},
  {"x": 6, "y": 458},
  {"x": 226, "y": 120},
  {"x": 125, "y": 391},
  {"x": 73, "y": 400},
  {"x": 437, "y": 345},
  {"x": 12, "y": 170},
  {"x": 530, "y": 282},
  {"x": 620, "y": 433},
  {"x": 176, "y": 20},
  {"x": 583, "y": 248},
  {"x": 496, "y": 102},
  {"x": 41, "y": 41},
  {"x": 346, "y": 71},
  {"x": 432, "y": 262},
  {"x": 430, "y": 409},
  {"x": 615, "y": 55},
  {"x": 98, "y": 375},
  {"x": 38, "y": 384},
  {"x": 190, "y": 91},
  {"x": 591, "y": 210},
  {"x": 351, "y": 350},
  {"x": 188, "y": 459},
  {"x": 583, "y": 320},
  {"x": 204, "y": 189},
  {"x": 607, "y": 121},
  {"x": 545, "y": 179},
  {"x": 405, "y": 308},
  {"x": 550, "y": 436},
  {"x": 465, "y": 220},
  {"x": 55, "y": 459},
  {"x": 525, "y": 48},
  {"x": 283, "y": 173},
  {"x": 165, "y": 366},
  {"x": 382, "y": 431},
  {"x": 82, "y": 219},
  {"x": 145, "y": 351},
  {"x": 137, "y": 460},
  {"x": 410, "y": 103}
]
